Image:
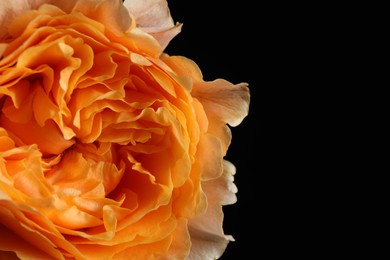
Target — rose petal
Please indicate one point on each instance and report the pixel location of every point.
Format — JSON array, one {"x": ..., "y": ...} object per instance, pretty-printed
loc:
[
  {"x": 111, "y": 13},
  {"x": 10, "y": 241},
  {"x": 220, "y": 98},
  {"x": 31, "y": 232},
  {"x": 108, "y": 143},
  {"x": 208, "y": 238},
  {"x": 153, "y": 16},
  {"x": 223, "y": 102},
  {"x": 49, "y": 139},
  {"x": 206, "y": 246},
  {"x": 9, "y": 9}
]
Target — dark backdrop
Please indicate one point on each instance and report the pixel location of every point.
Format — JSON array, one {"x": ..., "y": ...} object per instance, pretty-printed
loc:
[
  {"x": 224, "y": 39},
  {"x": 296, "y": 197}
]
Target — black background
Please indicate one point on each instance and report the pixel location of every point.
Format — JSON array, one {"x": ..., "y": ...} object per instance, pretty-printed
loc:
[
  {"x": 294, "y": 199},
  {"x": 224, "y": 39}
]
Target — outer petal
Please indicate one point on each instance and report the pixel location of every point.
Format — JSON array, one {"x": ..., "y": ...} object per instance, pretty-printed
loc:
[
  {"x": 109, "y": 12},
  {"x": 141, "y": 191},
  {"x": 221, "y": 99},
  {"x": 154, "y": 17},
  {"x": 208, "y": 238},
  {"x": 223, "y": 102},
  {"x": 9, "y": 9}
]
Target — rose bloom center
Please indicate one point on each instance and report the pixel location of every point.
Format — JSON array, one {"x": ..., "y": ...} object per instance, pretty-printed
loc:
[{"x": 94, "y": 130}]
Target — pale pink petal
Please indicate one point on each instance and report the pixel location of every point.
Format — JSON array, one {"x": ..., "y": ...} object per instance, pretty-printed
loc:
[
  {"x": 223, "y": 102},
  {"x": 206, "y": 246},
  {"x": 154, "y": 17},
  {"x": 207, "y": 235},
  {"x": 221, "y": 99}
]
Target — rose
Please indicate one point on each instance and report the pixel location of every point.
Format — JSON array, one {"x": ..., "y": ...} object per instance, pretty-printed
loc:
[{"x": 109, "y": 147}]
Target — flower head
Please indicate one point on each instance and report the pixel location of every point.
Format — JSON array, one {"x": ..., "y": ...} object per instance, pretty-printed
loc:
[{"x": 109, "y": 147}]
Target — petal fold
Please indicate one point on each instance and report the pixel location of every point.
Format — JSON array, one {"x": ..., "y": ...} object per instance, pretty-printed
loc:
[{"x": 154, "y": 17}]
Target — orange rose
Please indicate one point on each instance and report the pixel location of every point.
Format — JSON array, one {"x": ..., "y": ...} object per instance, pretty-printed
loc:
[{"x": 109, "y": 147}]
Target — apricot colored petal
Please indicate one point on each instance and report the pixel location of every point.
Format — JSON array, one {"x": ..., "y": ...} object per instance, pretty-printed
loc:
[
  {"x": 10, "y": 241},
  {"x": 222, "y": 101},
  {"x": 153, "y": 17},
  {"x": 30, "y": 232},
  {"x": 209, "y": 155},
  {"x": 22, "y": 237},
  {"x": 48, "y": 138},
  {"x": 97, "y": 163},
  {"x": 6, "y": 143},
  {"x": 72, "y": 167},
  {"x": 111, "y": 13},
  {"x": 73, "y": 218},
  {"x": 181, "y": 242},
  {"x": 109, "y": 174},
  {"x": 183, "y": 66},
  {"x": 66, "y": 6},
  {"x": 9, "y": 9},
  {"x": 32, "y": 184},
  {"x": 174, "y": 246},
  {"x": 3, "y": 46}
]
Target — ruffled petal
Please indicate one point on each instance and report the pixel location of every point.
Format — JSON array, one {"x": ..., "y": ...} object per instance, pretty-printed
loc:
[
  {"x": 111, "y": 13},
  {"x": 208, "y": 238},
  {"x": 31, "y": 236},
  {"x": 221, "y": 99},
  {"x": 110, "y": 148},
  {"x": 223, "y": 102},
  {"x": 153, "y": 17},
  {"x": 9, "y": 9}
]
